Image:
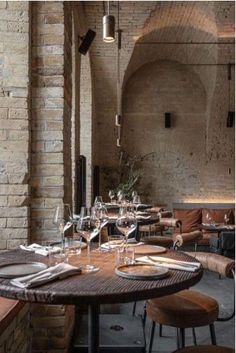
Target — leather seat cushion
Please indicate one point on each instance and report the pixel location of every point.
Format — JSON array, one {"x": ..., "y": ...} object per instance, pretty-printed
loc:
[
  {"x": 191, "y": 218},
  {"x": 183, "y": 309},
  {"x": 158, "y": 240},
  {"x": 206, "y": 349}
]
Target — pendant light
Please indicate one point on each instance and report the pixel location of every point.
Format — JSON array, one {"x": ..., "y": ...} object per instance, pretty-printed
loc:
[
  {"x": 108, "y": 26},
  {"x": 118, "y": 117}
]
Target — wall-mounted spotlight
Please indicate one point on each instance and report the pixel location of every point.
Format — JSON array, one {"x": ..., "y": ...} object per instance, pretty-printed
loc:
[
  {"x": 86, "y": 41},
  {"x": 108, "y": 26},
  {"x": 231, "y": 114},
  {"x": 230, "y": 119},
  {"x": 167, "y": 120}
]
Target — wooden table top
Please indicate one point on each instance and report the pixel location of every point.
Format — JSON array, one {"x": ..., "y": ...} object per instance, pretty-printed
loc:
[{"x": 102, "y": 287}]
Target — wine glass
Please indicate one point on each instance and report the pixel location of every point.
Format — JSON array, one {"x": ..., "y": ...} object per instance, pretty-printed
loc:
[
  {"x": 226, "y": 218},
  {"x": 88, "y": 228},
  {"x": 136, "y": 201},
  {"x": 121, "y": 197},
  {"x": 126, "y": 223},
  {"x": 98, "y": 201},
  {"x": 63, "y": 219},
  {"x": 112, "y": 195},
  {"x": 102, "y": 215},
  {"x": 134, "y": 193},
  {"x": 208, "y": 218}
]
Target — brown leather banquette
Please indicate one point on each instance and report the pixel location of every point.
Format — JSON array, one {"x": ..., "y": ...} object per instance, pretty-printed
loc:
[{"x": 191, "y": 218}]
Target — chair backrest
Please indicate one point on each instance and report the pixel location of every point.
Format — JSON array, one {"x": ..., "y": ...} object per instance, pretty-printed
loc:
[{"x": 216, "y": 263}]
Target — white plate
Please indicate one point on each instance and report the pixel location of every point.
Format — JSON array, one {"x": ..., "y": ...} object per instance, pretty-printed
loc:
[
  {"x": 141, "y": 271},
  {"x": 149, "y": 250},
  {"x": 21, "y": 269}
]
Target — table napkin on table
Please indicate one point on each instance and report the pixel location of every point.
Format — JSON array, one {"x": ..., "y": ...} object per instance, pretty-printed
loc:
[
  {"x": 142, "y": 217},
  {"x": 40, "y": 250},
  {"x": 59, "y": 271},
  {"x": 116, "y": 243},
  {"x": 169, "y": 263}
]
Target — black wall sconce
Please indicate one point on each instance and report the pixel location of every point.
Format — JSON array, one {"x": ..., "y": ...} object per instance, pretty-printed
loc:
[
  {"x": 230, "y": 119},
  {"x": 86, "y": 41},
  {"x": 167, "y": 120},
  {"x": 231, "y": 114}
]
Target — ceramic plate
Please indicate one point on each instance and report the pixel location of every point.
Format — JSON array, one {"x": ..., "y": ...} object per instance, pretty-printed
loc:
[
  {"x": 21, "y": 269},
  {"x": 141, "y": 271},
  {"x": 149, "y": 250}
]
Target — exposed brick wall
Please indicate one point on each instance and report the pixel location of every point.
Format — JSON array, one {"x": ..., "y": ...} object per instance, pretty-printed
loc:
[
  {"x": 15, "y": 338},
  {"x": 50, "y": 111},
  {"x": 14, "y": 123},
  {"x": 165, "y": 23},
  {"x": 52, "y": 327}
]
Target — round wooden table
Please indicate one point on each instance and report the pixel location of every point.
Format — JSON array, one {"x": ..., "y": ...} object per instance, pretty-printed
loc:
[{"x": 102, "y": 287}]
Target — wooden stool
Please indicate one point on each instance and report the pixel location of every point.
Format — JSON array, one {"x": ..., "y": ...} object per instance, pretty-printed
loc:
[
  {"x": 185, "y": 309},
  {"x": 206, "y": 349}
]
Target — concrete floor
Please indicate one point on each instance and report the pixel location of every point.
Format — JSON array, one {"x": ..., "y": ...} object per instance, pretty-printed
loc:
[{"x": 220, "y": 289}]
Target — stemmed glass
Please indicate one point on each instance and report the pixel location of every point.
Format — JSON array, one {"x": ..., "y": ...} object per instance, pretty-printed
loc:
[
  {"x": 102, "y": 215},
  {"x": 88, "y": 228},
  {"x": 226, "y": 218},
  {"x": 112, "y": 195},
  {"x": 63, "y": 219},
  {"x": 98, "y": 201},
  {"x": 121, "y": 197},
  {"x": 208, "y": 218},
  {"x": 136, "y": 201},
  {"x": 126, "y": 223}
]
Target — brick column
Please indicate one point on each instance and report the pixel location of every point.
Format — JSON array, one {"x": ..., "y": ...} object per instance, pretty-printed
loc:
[
  {"x": 51, "y": 114},
  {"x": 14, "y": 123}
]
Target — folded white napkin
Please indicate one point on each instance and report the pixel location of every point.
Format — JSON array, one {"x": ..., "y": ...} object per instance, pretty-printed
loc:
[
  {"x": 117, "y": 243},
  {"x": 59, "y": 271},
  {"x": 142, "y": 217},
  {"x": 141, "y": 205},
  {"x": 41, "y": 250},
  {"x": 169, "y": 263}
]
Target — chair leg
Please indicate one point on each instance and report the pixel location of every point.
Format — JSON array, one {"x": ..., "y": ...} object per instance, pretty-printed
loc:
[
  {"x": 194, "y": 336},
  {"x": 134, "y": 308},
  {"x": 152, "y": 336},
  {"x": 182, "y": 337},
  {"x": 213, "y": 335},
  {"x": 177, "y": 337},
  {"x": 160, "y": 330},
  {"x": 144, "y": 316}
]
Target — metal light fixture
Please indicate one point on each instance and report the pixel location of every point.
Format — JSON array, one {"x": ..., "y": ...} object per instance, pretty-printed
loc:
[
  {"x": 118, "y": 117},
  {"x": 108, "y": 27},
  {"x": 231, "y": 114}
]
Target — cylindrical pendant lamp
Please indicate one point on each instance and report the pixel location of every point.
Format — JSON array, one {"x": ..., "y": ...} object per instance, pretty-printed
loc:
[{"x": 108, "y": 28}]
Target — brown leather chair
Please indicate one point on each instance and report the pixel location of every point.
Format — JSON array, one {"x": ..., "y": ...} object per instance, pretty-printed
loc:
[
  {"x": 156, "y": 228},
  {"x": 206, "y": 349},
  {"x": 188, "y": 308}
]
